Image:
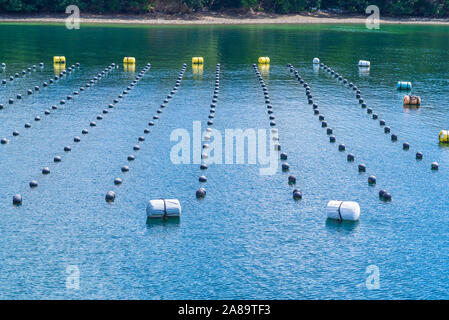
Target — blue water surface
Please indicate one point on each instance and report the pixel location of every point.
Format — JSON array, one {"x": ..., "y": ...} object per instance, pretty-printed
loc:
[{"x": 247, "y": 238}]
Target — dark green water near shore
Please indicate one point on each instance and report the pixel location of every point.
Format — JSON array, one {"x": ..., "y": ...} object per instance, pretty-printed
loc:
[{"x": 248, "y": 238}]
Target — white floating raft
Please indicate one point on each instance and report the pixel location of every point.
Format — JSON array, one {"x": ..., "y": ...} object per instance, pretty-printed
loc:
[
  {"x": 164, "y": 209},
  {"x": 364, "y": 64},
  {"x": 343, "y": 210}
]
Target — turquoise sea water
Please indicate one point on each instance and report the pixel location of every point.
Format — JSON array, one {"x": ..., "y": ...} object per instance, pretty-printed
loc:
[{"x": 248, "y": 238}]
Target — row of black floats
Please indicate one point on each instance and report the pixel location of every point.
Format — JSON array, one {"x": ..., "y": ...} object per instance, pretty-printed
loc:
[
  {"x": 47, "y": 111},
  {"x": 201, "y": 192},
  {"x": 330, "y": 132},
  {"x": 110, "y": 195},
  {"x": 297, "y": 194}
]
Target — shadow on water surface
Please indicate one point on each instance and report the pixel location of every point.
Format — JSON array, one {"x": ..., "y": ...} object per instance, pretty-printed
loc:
[
  {"x": 159, "y": 223},
  {"x": 337, "y": 226}
]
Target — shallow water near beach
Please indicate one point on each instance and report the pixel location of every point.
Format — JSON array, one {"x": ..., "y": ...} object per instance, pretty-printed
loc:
[{"x": 247, "y": 238}]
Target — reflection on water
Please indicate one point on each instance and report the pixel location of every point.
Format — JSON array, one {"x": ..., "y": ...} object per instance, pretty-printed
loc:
[
  {"x": 264, "y": 69},
  {"x": 337, "y": 226},
  {"x": 58, "y": 68},
  {"x": 364, "y": 71},
  {"x": 443, "y": 146},
  {"x": 129, "y": 67},
  {"x": 197, "y": 70},
  {"x": 411, "y": 108},
  {"x": 168, "y": 223}
]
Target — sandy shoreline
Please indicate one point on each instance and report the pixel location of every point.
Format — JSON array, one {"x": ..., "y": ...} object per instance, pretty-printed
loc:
[{"x": 219, "y": 18}]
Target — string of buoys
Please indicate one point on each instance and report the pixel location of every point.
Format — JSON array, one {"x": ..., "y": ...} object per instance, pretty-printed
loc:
[
  {"x": 201, "y": 192},
  {"x": 68, "y": 148},
  {"x": 36, "y": 87},
  {"x": 111, "y": 195},
  {"x": 369, "y": 110},
  {"x": 17, "y": 75},
  {"x": 329, "y": 131},
  {"x": 54, "y": 107},
  {"x": 19, "y": 96},
  {"x": 297, "y": 194}
]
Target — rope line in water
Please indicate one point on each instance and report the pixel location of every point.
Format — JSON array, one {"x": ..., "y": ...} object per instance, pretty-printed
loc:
[
  {"x": 341, "y": 147},
  {"x": 68, "y": 148},
  {"x": 382, "y": 122},
  {"x": 110, "y": 195},
  {"x": 29, "y": 92},
  {"x": 201, "y": 192},
  {"x": 297, "y": 194},
  {"x": 47, "y": 112},
  {"x": 16, "y": 75}
]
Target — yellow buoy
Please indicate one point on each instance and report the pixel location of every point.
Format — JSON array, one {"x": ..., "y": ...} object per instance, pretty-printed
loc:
[
  {"x": 129, "y": 60},
  {"x": 58, "y": 59},
  {"x": 197, "y": 60},
  {"x": 264, "y": 60},
  {"x": 444, "y": 136}
]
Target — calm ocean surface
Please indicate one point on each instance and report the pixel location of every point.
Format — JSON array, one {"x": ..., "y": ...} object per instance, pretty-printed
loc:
[{"x": 248, "y": 238}]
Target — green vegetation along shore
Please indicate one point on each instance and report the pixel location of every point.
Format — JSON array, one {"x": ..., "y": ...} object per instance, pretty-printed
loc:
[{"x": 420, "y": 8}]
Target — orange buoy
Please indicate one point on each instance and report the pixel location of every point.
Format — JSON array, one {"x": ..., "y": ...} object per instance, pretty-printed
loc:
[{"x": 412, "y": 100}]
